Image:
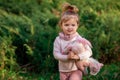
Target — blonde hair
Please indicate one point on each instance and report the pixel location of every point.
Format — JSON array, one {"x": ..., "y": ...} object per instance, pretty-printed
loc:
[{"x": 69, "y": 11}]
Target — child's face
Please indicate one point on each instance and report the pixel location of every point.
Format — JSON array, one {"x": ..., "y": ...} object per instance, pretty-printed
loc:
[{"x": 69, "y": 27}]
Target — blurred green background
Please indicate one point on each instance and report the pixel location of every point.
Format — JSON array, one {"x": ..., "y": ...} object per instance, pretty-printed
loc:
[{"x": 28, "y": 29}]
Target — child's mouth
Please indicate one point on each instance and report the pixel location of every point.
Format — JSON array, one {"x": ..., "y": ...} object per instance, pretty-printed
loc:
[{"x": 69, "y": 30}]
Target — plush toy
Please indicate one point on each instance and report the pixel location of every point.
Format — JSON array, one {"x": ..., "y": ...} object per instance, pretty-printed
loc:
[{"x": 78, "y": 48}]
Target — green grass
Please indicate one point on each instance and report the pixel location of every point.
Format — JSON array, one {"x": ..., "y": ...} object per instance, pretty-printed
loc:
[{"x": 108, "y": 72}]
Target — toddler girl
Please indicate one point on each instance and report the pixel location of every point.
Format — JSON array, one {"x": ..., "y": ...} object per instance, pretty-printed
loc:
[{"x": 69, "y": 23}]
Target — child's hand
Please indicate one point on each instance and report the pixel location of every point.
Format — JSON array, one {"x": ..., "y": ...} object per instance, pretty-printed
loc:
[
  {"x": 85, "y": 63},
  {"x": 72, "y": 55},
  {"x": 76, "y": 57}
]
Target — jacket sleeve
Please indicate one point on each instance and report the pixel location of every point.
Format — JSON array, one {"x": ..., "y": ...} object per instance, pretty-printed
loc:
[
  {"x": 57, "y": 51},
  {"x": 86, "y": 54}
]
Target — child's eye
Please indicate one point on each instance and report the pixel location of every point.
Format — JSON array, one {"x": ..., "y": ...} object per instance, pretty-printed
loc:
[
  {"x": 73, "y": 24},
  {"x": 66, "y": 25}
]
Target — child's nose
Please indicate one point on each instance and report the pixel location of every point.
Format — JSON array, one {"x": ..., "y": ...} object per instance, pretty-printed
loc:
[{"x": 70, "y": 27}]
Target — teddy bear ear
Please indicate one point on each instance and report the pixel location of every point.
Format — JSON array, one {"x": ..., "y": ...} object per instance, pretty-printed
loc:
[
  {"x": 66, "y": 50},
  {"x": 69, "y": 48}
]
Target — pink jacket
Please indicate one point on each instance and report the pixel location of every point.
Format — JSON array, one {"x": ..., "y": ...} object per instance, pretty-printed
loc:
[{"x": 66, "y": 65}]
